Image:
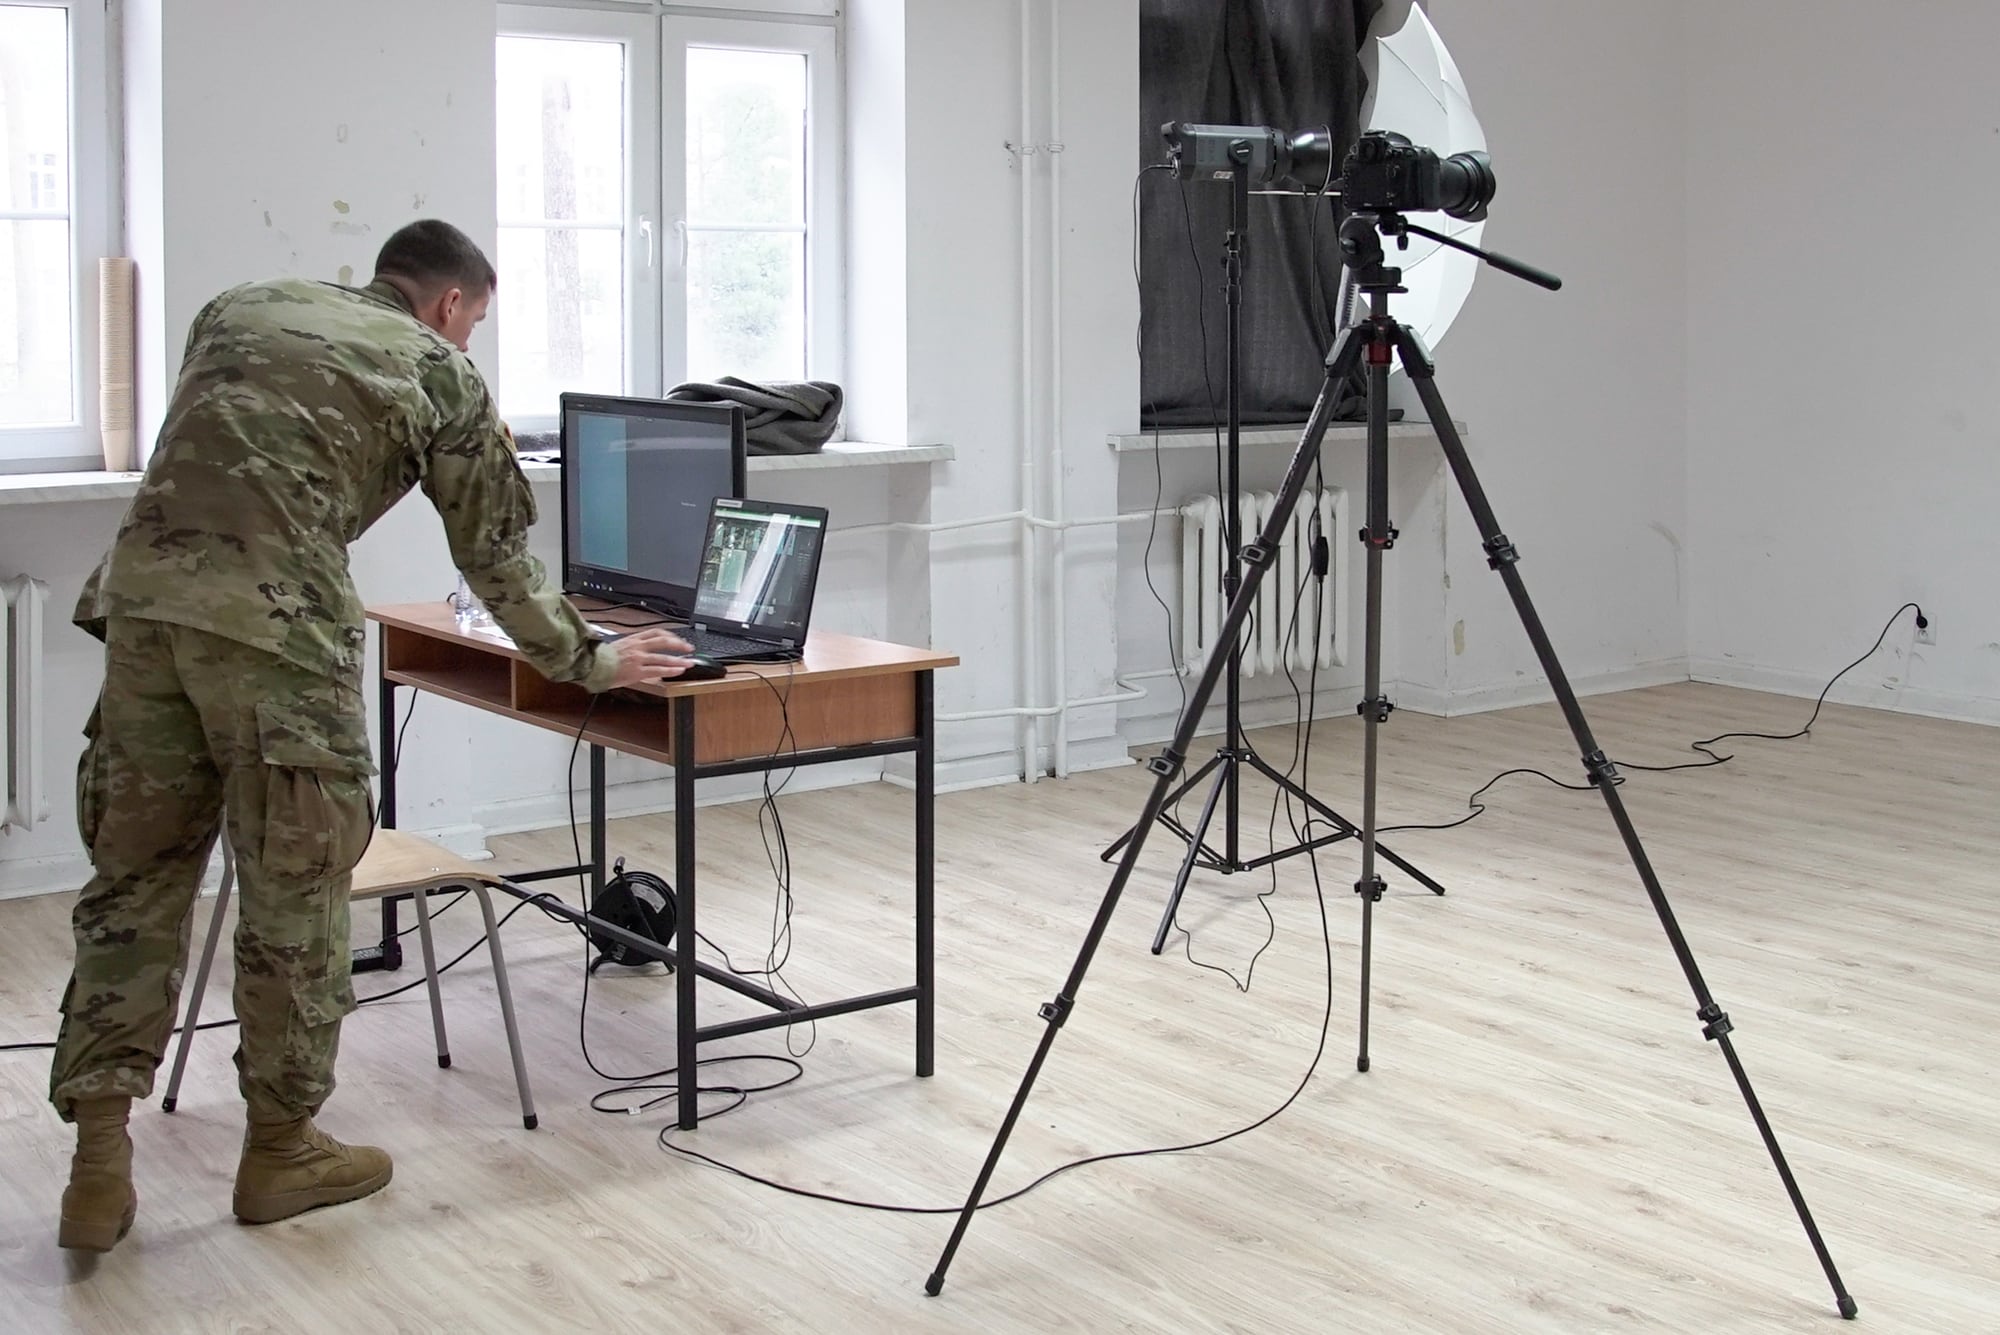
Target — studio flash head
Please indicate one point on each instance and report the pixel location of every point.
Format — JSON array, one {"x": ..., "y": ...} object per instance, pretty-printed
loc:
[
  {"x": 1385, "y": 172},
  {"x": 1263, "y": 155}
]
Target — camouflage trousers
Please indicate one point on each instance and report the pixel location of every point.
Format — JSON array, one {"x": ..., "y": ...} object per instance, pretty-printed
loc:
[{"x": 191, "y": 730}]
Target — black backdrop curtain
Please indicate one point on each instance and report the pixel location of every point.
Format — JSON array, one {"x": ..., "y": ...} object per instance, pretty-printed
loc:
[{"x": 1289, "y": 64}]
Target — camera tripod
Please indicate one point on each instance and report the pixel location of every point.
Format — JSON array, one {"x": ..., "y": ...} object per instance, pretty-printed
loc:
[
  {"x": 1236, "y": 753},
  {"x": 1375, "y": 342}
]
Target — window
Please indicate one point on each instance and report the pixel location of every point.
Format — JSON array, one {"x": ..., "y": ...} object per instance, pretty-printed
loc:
[
  {"x": 52, "y": 228},
  {"x": 669, "y": 202}
]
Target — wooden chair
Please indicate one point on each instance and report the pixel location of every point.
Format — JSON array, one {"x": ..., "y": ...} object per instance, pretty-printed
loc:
[{"x": 395, "y": 864}]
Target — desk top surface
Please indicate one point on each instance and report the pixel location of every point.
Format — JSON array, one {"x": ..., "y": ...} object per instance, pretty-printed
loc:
[{"x": 828, "y": 653}]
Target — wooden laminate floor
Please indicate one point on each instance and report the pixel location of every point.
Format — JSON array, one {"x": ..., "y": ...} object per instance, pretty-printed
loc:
[{"x": 1544, "y": 1144}]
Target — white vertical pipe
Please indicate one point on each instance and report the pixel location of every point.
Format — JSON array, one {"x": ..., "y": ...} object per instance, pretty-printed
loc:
[
  {"x": 1029, "y": 727},
  {"x": 1059, "y": 483}
]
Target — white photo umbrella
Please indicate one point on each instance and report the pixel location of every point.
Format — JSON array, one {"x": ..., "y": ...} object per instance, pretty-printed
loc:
[{"x": 1415, "y": 89}]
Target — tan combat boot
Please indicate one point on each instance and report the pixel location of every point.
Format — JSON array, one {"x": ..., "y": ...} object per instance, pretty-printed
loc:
[
  {"x": 290, "y": 1166},
  {"x": 99, "y": 1204}
]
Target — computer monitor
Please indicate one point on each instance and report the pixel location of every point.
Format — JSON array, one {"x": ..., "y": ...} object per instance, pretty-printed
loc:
[{"x": 639, "y": 477}]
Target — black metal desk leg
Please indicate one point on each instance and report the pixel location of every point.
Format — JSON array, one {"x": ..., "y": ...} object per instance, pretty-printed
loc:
[
  {"x": 926, "y": 870},
  {"x": 596, "y": 819},
  {"x": 685, "y": 1021},
  {"x": 389, "y": 954}
]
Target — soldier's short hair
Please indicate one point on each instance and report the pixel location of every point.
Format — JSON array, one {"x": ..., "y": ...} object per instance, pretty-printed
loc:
[{"x": 436, "y": 254}]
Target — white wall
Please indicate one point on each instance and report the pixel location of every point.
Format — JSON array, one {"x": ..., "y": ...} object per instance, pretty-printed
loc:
[
  {"x": 982, "y": 369},
  {"x": 1843, "y": 337},
  {"x": 1575, "y": 400}
]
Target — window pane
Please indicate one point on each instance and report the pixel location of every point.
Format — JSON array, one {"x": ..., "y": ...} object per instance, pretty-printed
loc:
[
  {"x": 561, "y": 125},
  {"x": 562, "y": 315},
  {"x": 35, "y": 338},
  {"x": 746, "y": 305},
  {"x": 37, "y": 277},
  {"x": 746, "y": 148}
]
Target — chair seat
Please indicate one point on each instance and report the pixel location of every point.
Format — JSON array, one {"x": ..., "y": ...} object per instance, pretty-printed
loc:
[
  {"x": 394, "y": 864},
  {"x": 397, "y": 863}
]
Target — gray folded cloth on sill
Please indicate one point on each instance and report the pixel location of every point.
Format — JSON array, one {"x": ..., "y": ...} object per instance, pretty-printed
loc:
[{"x": 785, "y": 417}]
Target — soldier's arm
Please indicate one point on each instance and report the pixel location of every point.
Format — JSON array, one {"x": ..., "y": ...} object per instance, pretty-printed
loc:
[{"x": 473, "y": 479}]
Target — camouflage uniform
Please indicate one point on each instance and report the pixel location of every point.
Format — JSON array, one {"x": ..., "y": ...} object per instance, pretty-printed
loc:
[{"x": 233, "y": 656}]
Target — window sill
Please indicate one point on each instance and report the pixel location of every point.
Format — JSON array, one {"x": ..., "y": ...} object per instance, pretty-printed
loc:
[
  {"x": 835, "y": 454},
  {"x": 36, "y": 488},
  {"x": 44, "y": 488},
  {"x": 1204, "y": 438}
]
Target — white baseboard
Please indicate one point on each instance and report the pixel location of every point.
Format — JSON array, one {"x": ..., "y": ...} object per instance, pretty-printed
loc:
[
  {"x": 1270, "y": 712},
  {"x": 1807, "y": 686},
  {"x": 23, "y": 877},
  {"x": 652, "y": 796},
  {"x": 986, "y": 771},
  {"x": 1534, "y": 690},
  {"x": 68, "y": 873}
]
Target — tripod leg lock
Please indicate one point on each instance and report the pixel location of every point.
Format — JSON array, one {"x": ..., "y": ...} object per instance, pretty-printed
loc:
[
  {"x": 1600, "y": 769},
  {"x": 1057, "y": 1011},
  {"x": 1380, "y": 709},
  {"x": 1500, "y": 551},
  {"x": 1374, "y": 887},
  {"x": 1715, "y": 1022},
  {"x": 1168, "y": 762},
  {"x": 1385, "y": 542},
  {"x": 1256, "y": 555}
]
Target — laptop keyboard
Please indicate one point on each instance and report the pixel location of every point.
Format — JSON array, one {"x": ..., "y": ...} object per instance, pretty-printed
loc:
[{"x": 715, "y": 644}]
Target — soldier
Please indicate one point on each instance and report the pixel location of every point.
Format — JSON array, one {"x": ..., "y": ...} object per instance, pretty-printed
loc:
[{"x": 232, "y": 692}]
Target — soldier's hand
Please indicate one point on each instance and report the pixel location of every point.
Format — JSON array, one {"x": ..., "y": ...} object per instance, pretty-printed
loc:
[{"x": 649, "y": 655}]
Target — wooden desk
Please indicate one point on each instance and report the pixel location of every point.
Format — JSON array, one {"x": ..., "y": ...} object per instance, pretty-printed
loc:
[{"x": 850, "y": 698}]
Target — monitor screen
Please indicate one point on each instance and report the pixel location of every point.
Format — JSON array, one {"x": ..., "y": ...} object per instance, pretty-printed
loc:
[
  {"x": 761, "y": 567},
  {"x": 638, "y": 479}
]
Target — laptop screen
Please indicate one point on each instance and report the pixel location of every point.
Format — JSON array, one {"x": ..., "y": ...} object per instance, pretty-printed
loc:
[{"x": 760, "y": 567}]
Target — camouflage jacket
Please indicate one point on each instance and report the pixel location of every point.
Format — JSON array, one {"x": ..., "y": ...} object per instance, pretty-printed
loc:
[{"x": 303, "y": 412}]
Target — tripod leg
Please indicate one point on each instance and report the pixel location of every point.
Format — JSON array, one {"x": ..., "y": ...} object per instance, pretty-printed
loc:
[
  {"x": 1502, "y": 556},
  {"x": 1377, "y": 537},
  {"x": 1257, "y": 559},
  {"x": 1187, "y": 864},
  {"x": 1347, "y": 828},
  {"x": 1187, "y": 785}
]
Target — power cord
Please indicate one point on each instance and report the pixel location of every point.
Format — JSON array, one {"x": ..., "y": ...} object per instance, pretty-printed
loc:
[
  {"x": 1703, "y": 746},
  {"x": 1326, "y": 1021},
  {"x": 1152, "y": 411}
]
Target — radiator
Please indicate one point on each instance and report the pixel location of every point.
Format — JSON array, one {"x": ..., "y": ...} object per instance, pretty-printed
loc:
[
  {"x": 1270, "y": 644},
  {"x": 25, "y": 803}
]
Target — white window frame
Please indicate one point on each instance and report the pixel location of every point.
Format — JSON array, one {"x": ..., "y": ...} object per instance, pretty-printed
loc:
[
  {"x": 638, "y": 33},
  {"x": 825, "y": 299},
  {"x": 77, "y": 444},
  {"x": 655, "y": 36}
]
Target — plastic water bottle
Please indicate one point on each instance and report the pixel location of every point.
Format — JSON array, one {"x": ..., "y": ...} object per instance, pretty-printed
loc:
[{"x": 467, "y": 609}]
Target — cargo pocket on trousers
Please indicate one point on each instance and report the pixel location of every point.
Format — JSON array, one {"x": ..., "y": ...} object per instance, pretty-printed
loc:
[
  {"x": 318, "y": 811},
  {"x": 90, "y": 780}
]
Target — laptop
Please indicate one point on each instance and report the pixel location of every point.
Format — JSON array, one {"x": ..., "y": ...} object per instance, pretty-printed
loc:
[{"x": 759, "y": 572}]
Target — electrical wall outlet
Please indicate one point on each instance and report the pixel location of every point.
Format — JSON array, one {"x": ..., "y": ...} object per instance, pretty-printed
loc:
[{"x": 1927, "y": 631}]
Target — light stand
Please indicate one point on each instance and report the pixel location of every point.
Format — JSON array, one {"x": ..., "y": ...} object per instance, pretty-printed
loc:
[
  {"x": 1377, "y": 342},
  {"x": 1235, "y": 753}
]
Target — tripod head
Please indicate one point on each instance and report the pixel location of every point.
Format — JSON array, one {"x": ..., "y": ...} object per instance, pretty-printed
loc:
[{"x": 1361, "y": 235}]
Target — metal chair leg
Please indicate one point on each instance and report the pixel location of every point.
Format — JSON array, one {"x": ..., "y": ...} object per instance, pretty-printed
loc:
[
  {"x": 423, "y": 898},
  {"x": 500, "y": 984},
  {"x": 193, "y": 1015}
]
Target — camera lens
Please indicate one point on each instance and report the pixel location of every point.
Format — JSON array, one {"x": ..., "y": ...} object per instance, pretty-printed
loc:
[{"x": 1466, "y": 185}]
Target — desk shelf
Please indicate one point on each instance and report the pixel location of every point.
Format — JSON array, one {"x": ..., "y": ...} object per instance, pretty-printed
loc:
[{"x": 847, "y": 692}]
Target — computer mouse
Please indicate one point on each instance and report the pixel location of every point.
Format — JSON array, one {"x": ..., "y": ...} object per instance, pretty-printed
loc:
[{"x": 701, "y": 669}]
